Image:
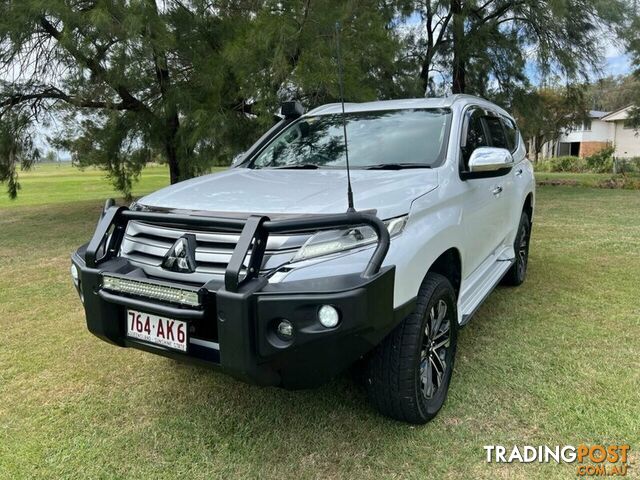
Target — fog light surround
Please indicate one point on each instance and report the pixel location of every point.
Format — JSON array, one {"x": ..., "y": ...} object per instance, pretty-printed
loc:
[
  {"x": 328, "y": 316},
  {"x": 284, "y": 329},
  {"x": 75, "y": 274}
]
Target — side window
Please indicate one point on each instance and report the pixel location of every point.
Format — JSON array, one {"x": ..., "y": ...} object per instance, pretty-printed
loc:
[
  {"x": 512, "y": 133},
  {"x": 498, "y": 137},
  {"x": 476, "y": 137}
]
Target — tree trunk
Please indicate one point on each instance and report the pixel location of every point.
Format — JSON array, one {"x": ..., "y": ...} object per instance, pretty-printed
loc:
[
  {"x": 172, "y": 159},
  {"x": 458, "y": 70},
  {"x": 537, "y": 147},
  {"x": 424, "y": 71}
]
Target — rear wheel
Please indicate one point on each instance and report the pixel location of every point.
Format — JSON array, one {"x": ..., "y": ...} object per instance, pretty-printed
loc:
[
  {"x": 408, "y": 375},
  {"x": 518, "y": 271}
]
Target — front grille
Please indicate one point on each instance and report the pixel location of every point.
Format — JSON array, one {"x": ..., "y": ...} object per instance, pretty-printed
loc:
[{"x": 145, "y": 245}]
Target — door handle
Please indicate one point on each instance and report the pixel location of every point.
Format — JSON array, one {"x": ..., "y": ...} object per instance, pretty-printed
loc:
[
  {"x": 497, "y": 191},
  {"x": 519, "y": 172}
]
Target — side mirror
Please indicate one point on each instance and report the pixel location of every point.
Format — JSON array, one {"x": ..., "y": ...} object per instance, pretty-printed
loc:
[
  {"x": 490, "y": 159},
  {"x": 237, "y": 160}
]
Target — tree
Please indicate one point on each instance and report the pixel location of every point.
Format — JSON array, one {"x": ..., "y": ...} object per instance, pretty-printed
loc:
[
  {"x": 191, "y": 80},
  {"x": 633, "y": 42},
  {"x": 486, "y": 43},
  {"x": 17, "y": 148},
  {"x": 544, "y": 114},
  {"x": 611, "y": 93}
]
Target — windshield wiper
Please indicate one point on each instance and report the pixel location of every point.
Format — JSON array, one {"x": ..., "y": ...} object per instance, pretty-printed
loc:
[
  {"x": 299, "y": 166},
  {"x": 396, "y": 166}
]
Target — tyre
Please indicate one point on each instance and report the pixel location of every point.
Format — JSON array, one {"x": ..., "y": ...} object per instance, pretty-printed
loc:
[
  {"x": 408, "y": 375},
  {"x": 518, "y": 271}
]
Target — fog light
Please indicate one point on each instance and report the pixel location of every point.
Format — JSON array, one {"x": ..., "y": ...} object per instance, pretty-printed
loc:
[
  {"x": 74, "y": 273},
  {"x": 328, "y": 316},
  {"x": 285, "y": 329}
]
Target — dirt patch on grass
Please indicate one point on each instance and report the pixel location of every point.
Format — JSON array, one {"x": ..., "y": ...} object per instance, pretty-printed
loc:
[
  {"x": 620, "y": 182},
  {"x": 558, "y": 182}
]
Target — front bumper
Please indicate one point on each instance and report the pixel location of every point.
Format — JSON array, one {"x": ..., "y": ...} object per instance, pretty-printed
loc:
[{"x": 234, "y": 327}]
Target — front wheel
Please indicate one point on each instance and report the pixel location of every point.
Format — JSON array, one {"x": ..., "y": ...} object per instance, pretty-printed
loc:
[
  {"x": 518, "y": 271},
  {"x": 408, "y": 374}
]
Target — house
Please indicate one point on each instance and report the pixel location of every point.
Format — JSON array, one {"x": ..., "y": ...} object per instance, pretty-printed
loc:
[
  {"x": 625, "y": 138},
  {"x": 598, "y": 131},
  {"x": 582, "y": 140}
]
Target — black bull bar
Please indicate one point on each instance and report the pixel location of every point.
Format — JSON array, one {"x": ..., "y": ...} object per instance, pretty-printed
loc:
[{"x": 254, "y": 233}]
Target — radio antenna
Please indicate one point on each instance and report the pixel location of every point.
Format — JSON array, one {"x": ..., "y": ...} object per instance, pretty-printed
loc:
[{"x": 344, "y": 120}]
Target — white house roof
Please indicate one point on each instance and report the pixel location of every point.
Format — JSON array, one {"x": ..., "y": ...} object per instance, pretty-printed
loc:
[
  {"x": 597, "y": 114},
  {"x": 620, "y": 114}
]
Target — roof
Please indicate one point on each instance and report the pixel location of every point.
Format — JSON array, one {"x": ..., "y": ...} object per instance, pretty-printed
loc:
[
  {"x": 400, "y": 104},
  {"x": 620, "y": 114},
  {"x": 597, "y": 114}
]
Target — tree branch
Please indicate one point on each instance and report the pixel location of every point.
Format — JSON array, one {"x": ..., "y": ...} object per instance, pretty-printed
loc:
[
  {"x": 129, "y": 101},
  {"x": 53, "y": 93}
]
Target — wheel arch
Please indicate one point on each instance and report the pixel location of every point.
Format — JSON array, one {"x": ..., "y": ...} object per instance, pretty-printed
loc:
[
  {"x": 528, "y": 206},
  {"x": 449, "y": 265}
]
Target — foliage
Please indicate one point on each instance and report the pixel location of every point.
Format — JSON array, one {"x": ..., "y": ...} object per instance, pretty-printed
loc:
[
  {"x": 612, "y": 93},
  {"x": 567, "y": 164},
  {"x": 632, "y": 37},
  {"x": 601, "y": 161},
  {"x": 486, "y": 45},
  {"x": 193, "y": 81},
  {"x": 544, "y": 113},
  {"x": 16, "y": 148},
  {"x": 627, "y": 165}
]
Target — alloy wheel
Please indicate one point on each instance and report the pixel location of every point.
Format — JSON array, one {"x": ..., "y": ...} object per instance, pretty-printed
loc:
[
  {"x": 523, "y": 251},
  {"x": 434, "y": 361}
]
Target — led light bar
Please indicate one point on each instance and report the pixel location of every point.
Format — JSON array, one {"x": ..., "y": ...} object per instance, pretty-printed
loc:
[{"x": 151, "y": 290}]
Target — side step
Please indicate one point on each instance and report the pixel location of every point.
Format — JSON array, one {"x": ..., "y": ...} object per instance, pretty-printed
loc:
[{"x": 488, "y": 280}]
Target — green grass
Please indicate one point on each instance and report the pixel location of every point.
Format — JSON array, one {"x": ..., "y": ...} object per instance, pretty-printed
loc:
[
  {"x": 556, "y": 361},
  {"x": 51, "y": 183}
]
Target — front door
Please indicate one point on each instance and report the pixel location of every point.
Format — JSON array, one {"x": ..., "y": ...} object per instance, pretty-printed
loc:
[{"x": 484, "y": 201}]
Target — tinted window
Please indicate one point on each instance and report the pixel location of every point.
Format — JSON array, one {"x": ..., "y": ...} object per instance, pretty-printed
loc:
[
  {"x": 512, "y": 133},
  {"x": 498, "y": 138},
  {"x": 392, "y": 136},
  {"x": 475, "y": 138}
]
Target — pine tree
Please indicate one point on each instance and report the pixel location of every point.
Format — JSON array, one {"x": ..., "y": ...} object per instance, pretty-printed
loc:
[
  {"x": 486, "y": 44},
  {"x": 192, "y": 81}
]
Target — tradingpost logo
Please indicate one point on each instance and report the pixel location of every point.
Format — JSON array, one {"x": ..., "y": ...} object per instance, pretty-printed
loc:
[{"x": 590, "y": 460}]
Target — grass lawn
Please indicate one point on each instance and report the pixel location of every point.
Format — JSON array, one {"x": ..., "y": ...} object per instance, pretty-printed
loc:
[{"x": 556, "y": 361}]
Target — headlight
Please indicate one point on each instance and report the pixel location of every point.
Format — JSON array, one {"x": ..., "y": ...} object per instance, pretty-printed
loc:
[{"x": 333, "y": 241}]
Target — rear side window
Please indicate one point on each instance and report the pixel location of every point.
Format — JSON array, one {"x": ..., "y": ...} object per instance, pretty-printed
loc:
[
  {"x": 512, "y": 133},
  {"x": 498, "y": 137}
]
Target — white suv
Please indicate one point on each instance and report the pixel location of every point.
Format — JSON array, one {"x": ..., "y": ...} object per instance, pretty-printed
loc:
[{"x": 264, "y": 272}]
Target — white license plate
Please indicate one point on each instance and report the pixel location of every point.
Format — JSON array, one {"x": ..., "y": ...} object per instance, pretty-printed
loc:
[{"x": 159, "y": 330}]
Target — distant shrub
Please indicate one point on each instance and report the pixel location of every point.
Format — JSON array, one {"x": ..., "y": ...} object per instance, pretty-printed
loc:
[
  {"x": 567, "y": 164},
  {"x": 628, "y": 165},
  {"x": 541, "y": 166},
  {"x": 601, "y": 161}
]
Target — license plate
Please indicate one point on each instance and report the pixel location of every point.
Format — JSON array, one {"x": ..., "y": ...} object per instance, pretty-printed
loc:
[{"x": 159, "y": 330}]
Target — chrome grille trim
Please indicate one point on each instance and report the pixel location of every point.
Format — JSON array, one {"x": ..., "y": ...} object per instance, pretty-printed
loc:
[{"x": 145, "y": 245}]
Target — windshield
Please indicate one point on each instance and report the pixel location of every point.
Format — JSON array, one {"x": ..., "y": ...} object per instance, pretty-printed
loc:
[{"x": 404, "y": 138}]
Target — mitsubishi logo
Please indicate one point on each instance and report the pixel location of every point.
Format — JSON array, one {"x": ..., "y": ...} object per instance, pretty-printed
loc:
[{"x": 181, "y": 257}]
